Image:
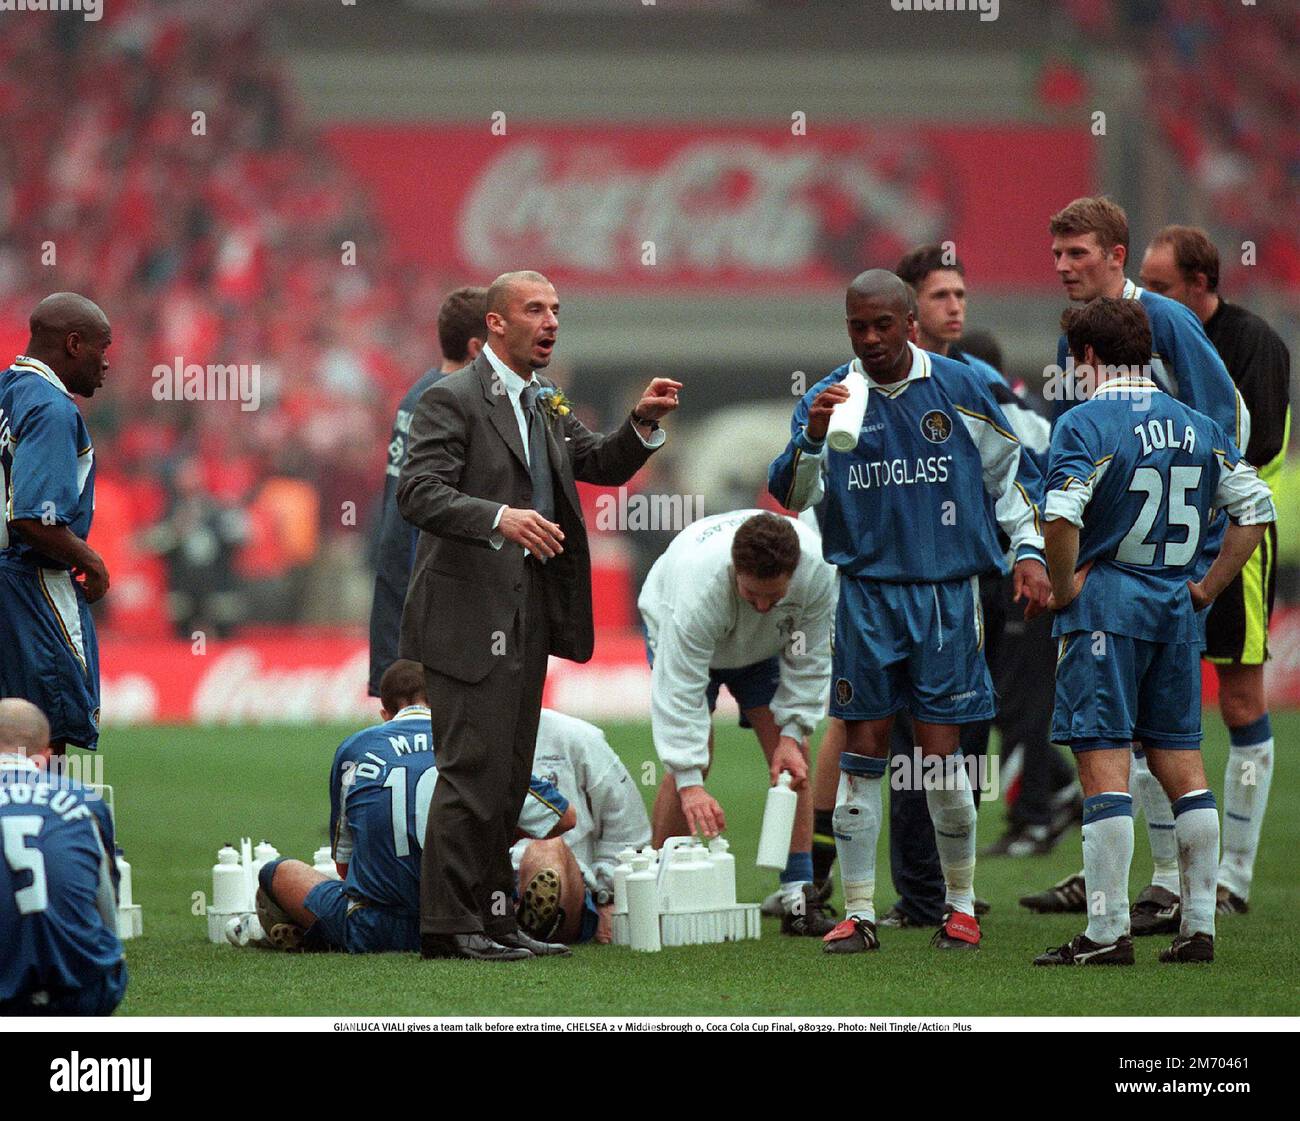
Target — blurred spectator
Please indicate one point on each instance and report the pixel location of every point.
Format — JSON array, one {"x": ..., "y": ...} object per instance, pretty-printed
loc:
[
  {"x": 1224, "y": 89},
  {"x": 197, "y": 539},
  {"x": 167, "y": 172}
]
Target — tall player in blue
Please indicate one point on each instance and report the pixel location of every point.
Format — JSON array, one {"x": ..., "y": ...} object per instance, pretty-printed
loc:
[
  {"x": 1090, "y": 241},
  {"x": 910, "y": 520},
  {"x": 1134, "y": 477},
  {"x": 59, "y": 952},
  {"x": 381, "y": 785},
  {"x": 48, "y": 574}
]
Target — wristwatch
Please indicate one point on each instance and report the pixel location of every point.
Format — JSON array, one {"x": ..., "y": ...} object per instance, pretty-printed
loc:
[
  {"x": 654, "y": 424},
  {"x": 602, "y": 897}
]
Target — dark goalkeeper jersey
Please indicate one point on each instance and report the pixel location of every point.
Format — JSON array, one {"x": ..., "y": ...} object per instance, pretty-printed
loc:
[{"x": 1260, "y": 365}]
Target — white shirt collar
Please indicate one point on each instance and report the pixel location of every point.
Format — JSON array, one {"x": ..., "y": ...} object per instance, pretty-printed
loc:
[
  {"x": 512, "y": 381},
  {"x": 36, "y": 366},
  {"x": 411, "y": 712},
  {"x": 1129, "y": 382},
  {"x": 920, "y": 369},
  {"x": 1131, "y": 290}
]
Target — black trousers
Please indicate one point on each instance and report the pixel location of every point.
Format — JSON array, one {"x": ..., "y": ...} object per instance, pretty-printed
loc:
[
  {"x": 1024, "y": 674},
  {"x": 483, "y": 738}
]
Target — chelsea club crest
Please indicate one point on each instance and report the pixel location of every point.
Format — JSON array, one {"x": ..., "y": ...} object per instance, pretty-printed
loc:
[{"x": 936, "y": 426}]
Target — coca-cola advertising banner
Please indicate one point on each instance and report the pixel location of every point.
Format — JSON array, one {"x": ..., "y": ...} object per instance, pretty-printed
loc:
[
  {"x": 312, "y": 677},
  {"x": 731, "y": 209}
]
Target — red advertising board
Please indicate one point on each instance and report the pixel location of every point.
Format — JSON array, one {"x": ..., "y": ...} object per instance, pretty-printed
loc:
[
  {"x": 724, "y": 208},
  {"x": 313, "y": 676}
]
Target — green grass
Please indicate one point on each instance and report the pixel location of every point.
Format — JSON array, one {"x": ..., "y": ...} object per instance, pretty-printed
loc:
[{"x": 181, "y": 792}]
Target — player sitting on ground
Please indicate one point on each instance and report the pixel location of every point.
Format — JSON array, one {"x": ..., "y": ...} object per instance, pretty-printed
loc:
[
  {"x": 59, "y": 952},
  {"x": 566, "y": 884},
  {"x": 910, "y": 520},
  {"x": 381, "y": 785},
  {"x": 1134, "y": 476}
]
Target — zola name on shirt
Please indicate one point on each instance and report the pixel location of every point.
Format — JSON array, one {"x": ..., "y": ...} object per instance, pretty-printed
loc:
[{"x": 1159, "y": 434}]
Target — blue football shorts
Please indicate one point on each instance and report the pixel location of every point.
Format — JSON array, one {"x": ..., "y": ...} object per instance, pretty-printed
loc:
[
  {"x": 913, "y": 646},
  {"x": 51, "y": 656},
  {"x": 351, "y": 923},
  {"x": 99, "y": 996},
  {"x": 753, "y": 686},
  {"x": 1113, "y": 690}
]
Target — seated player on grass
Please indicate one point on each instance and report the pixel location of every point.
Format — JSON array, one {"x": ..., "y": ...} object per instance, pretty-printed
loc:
[
  {"x": 381, "y": 786},
  {"x": 566, "y": 884},
  {"x": 1133, "y": 479},
  {"x": 59, "y": 952}
]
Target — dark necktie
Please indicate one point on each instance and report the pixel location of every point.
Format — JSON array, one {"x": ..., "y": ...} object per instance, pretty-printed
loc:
[{"x": 539, "y": 458}]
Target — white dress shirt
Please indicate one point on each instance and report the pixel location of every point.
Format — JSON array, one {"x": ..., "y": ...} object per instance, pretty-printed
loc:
[{"x": 514, "y": 387}]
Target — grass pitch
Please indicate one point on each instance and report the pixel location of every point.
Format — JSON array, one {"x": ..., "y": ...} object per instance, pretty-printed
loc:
[{"x": 181, "y": 792}]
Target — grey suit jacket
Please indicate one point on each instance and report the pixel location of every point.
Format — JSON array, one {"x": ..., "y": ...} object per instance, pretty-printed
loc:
[{"x": 466, "y": 460}]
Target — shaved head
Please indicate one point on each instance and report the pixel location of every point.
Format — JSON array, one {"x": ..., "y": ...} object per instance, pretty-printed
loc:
[
  {"x": 880, "y": 313},
  {"x": 23, "y": 728},
  {"x": 498, "y": 293},
  {"x": 523, "y": 319},
  {"x": 59, "y": 315},
  {"x": 70, "y": 335},
  {"x": 880, "y": 286}
]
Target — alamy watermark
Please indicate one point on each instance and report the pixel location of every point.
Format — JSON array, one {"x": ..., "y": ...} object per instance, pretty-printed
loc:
[
  {"x": 92, "y": 11},
  {"x": 82, "y": 773},
  {"x": 653, "y": 512},
  {"x": 939, "y": 772},
  {"x": 1078, "y": 381},
  {"x": 988, "y": 9},
  {"x": 183, "y": 381}
]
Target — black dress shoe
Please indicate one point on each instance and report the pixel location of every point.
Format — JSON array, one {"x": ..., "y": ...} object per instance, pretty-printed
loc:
[
  {"x": 533, "y": 946},
  {"x": 474, "y": 947}
]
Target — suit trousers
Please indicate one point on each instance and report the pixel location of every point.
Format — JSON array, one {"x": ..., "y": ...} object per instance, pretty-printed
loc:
[{"x": 484, "y": 735}]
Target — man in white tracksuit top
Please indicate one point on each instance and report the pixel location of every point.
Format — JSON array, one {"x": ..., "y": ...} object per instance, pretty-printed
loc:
[{"x": 743, "y": 600}]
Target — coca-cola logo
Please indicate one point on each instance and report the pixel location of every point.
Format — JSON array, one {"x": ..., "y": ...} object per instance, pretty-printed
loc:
[
  {"x": 238, "y": 688},
  {"x": 711, "y": 206}
]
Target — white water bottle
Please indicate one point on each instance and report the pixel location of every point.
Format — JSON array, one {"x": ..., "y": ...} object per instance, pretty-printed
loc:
[
  {"x": 124, "y": 881},
  {"x": 846, "y": 418},
  {"x": 778, "y": 825},
  {"x": 262, "y": 855},
  {"x": 643, "y": 907},
  {"x": 724, "y": 872},
  {"x": 227, "y": 882},
  {"x": 622, "y": 870},
  {"x": 323, "y": 862}
]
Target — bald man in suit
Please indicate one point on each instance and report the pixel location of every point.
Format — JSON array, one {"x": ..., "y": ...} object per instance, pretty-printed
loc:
[{"x": 502, "y": 580}]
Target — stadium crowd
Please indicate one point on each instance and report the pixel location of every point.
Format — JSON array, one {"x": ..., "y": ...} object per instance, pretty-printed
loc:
[
  {"x": 188, "y": 185},
  {"x": 1221, "y": 83}
]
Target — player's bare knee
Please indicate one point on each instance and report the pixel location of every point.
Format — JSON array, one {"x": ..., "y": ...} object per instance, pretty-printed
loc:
[{"x": 291, "y": 883}]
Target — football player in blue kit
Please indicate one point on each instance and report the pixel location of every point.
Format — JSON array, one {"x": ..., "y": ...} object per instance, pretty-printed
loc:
[
  {"x": 49, "y": 575},
  {"x": 58, "y": 882},
  {"x": 910, "y": 520},
  {"x": 1134, "y": 477},
  {"x": 381, "y": 786},
  {"x": 1090, "y": 242}
]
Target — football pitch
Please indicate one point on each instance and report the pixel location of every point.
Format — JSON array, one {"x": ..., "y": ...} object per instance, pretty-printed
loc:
[{"x": 182, "y": 792}]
